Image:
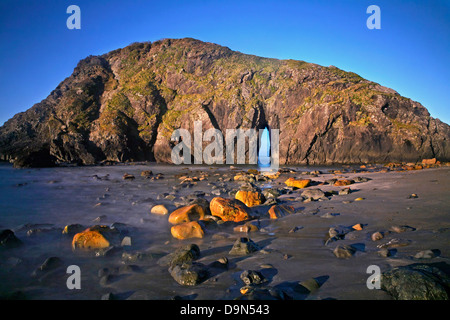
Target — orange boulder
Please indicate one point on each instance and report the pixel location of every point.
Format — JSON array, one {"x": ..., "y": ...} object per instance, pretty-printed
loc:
[
  {"x": 302, "y": 183},
  {"x": 187, "y": 214},
  {"x": 250, "y": 198},
  {"x": 343, "y": 182},
  {"x": 429, "y": 161},
  {"x": 280, "y": 210},
  {"x": 89, "y": 240},
  {"x": 229, "y": 209},
  {"x": 187, "y": 230}
]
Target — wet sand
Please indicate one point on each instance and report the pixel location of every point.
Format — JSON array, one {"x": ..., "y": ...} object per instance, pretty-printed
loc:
[{"x": 56, "y": 197}]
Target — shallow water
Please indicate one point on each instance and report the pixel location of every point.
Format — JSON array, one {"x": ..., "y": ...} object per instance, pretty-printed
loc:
[{"x": 49, "y": 199}]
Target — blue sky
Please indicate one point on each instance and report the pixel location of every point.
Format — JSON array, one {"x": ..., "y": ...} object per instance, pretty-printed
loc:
[{"x": 409, "y": 53}]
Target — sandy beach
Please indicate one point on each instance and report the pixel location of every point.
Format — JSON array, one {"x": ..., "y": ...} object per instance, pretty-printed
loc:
[{"x": 410, "y": 208}]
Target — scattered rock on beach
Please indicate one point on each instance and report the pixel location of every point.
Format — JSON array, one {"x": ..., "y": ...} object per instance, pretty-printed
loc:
[
  {"x": 95, "y": 237},
  {"x": 249, "y": 226},
  {"x": 189, "y": 213},
  {"x": 314, "y": 194},
  {"x": 298, "y": 183},
  {"x": 187, "y": 230},
  {"x": 72, "y": 229},
  {"x": 127, "y": 176},
  {"x": 243, "y": 246},
  {"x": 395, "y": 243},
  {"x": 427, "y": 254},
  {"x": 376, "y": 236},
  {"x": 184, "y": 254},
  {"x": 279, "y": 211},
  {"x": 416, "y": 282},
  {"x": 146, "y": 173},
  {"x": 344, "y": 251},
  {"x": 159, "y": 209},
  {"x": 188, "y": 274},
  {"x": 250, "y": 198},
  {"x": 429, "y": 161},
  {"x": 8, "y": 239},
  {"x": 401, "y": 229},
  {"x": 229, "y": 209},
  {"x": 343, "y": 182},
  {"x": 252, "y": 277},
  {"x": 344, "y": 191}
]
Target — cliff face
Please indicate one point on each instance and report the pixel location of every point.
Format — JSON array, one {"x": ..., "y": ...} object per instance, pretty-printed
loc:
[{"x": 124, "y": 106}]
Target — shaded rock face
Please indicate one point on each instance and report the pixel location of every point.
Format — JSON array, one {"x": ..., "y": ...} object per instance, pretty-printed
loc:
[
  {"x": 124, "y": 106},
  {"x": 418, "y": 282}
]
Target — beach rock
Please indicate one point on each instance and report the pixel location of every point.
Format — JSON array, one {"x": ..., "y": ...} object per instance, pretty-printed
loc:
[
  {"x": 249, "y": 226},
  {"x": 229, "y": 209},
  {"x": 401, "y": 229},
  {"x": 343, "y": 182},
  {"x": 250, "y": 198},
  {"x": 279, "y": 211},
  {"x": 126, "y": 242},
  {"x": 184, "y": 254},
  {"x": 311, "y": 284},
  {"x": 188, "y": 274},
  {"x": 72, "y": 229},
  {"x": 133, "y": 257},
  {"x": 337, "y": 232},
  {"x": 127, "y": 176},
  {"x": 95, "y": 237},
  {"x": 187, "y": 230},
  {"x": 331, "y": 181},
  {"x": 8, "y": 239},
  {"x": 376, "y": 236},
  {"x": 252, "y": 277},
  {"x": 361, "y": 179},
  {"x": 108, "y": 251},
  {"x": 271, "y": 193},
  {"x": 344, "y": 251},
  {"x": 344, "y": 191},
  {"x": 159, "y": 209},
  {"x": 146, "y": 173},
  {"x": 429, "y": 161},
  {"x": 394, "y": 243},
  {"x": 385, "y": 252},
  {"x": 427, "y": 254},
  {"x": 243, "y": 246},
  {"x": 89, "y": 240},
  {"x": 49, "y": 264},
  {"x": 416, "y": 282},
  {"x": 219, "y": 264},
  {"x": 99, "y": 218},
  {"x": 189, "y": 213},
  {"x": 314, "y": 194},
  {"x": 296, "y": 183}
]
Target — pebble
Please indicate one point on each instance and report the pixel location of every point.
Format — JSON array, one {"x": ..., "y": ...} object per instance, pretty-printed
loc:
[
  {"x": 159, "y": 209},
  {"x": 376, "y": 236},
  {"x": 126, "y": 242},
  {"x": 344, "y": 251},
  {"x": 426, "y": 254}
]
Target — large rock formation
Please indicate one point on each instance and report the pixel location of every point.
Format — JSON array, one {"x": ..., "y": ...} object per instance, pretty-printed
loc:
[{"x": 124, "y": 106}]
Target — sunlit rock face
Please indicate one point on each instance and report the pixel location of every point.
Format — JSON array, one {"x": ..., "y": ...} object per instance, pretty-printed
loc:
[{"x": 124, "y": 105}]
